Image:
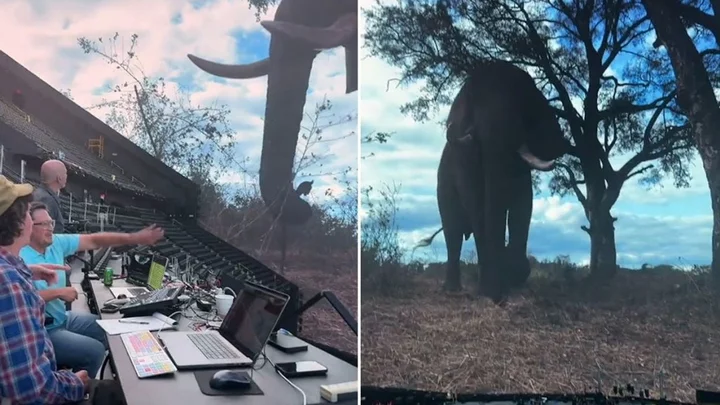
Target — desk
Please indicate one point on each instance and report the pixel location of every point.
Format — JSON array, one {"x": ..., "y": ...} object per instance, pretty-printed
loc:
[{"x": 183, "y": 388}]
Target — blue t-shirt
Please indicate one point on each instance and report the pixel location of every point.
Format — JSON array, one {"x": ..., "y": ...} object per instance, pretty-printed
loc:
[{"x": 63, "y": 246}]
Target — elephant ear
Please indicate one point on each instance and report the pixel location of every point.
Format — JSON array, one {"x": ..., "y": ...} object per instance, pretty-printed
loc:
[{"x": 341, "y": 32}]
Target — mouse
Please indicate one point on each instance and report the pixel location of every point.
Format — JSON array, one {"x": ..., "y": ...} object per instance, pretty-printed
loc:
[
  {"x": 229, "y": 380},
  {"x": 121, "y": 296},
  {"x": 118, "y": 302}
]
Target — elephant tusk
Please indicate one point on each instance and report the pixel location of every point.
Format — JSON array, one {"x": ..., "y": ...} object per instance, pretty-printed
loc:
[
  {"x": 342, "y": 31},
  {"x": 465, "y": 139},
  {"x": 246, "y": 71},
  {"x": 534, "y": 161}
]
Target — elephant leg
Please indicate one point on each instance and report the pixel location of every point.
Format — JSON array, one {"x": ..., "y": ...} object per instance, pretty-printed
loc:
[
  {"x": 497, "y": 191},
  {"x": 471, "y": 183},
  {"x": 520, "y": 213},
  {"x": 453, "y": 241},
  {"x": 452, "y": 215}
]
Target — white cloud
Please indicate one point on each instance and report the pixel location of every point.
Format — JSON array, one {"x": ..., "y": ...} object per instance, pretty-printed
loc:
[{"x": 42, "y": 36}]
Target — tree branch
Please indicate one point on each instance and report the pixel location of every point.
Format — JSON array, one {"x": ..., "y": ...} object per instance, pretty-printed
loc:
[
  {"x": 148, "y": 130},
  {"x": 639, "y": 171},
  {"x": 573, "y": 182}
]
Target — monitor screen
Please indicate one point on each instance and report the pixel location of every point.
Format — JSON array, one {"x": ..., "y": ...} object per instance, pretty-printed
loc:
[
  {"x": 252, "y": 318},
  {"x": 157, "y": 272}
]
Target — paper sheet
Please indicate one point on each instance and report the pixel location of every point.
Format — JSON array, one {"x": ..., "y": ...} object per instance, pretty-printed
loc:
[{"x": 126, "y": 325}]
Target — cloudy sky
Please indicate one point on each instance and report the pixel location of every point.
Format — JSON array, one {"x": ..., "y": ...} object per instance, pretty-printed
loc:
[
  {"x": 658, "y": 225},
  {"x": 42, "y": 36}
]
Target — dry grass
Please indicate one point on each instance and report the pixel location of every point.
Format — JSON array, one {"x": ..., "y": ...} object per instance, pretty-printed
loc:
[
  {"x": 657, "y": 329},
  {"x": 335, "y": 273}
]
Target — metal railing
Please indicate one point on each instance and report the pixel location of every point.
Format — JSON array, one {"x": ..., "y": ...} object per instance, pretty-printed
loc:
[
  {"x": 136, "y": 180},
  {"x": 113, "y": 164}
]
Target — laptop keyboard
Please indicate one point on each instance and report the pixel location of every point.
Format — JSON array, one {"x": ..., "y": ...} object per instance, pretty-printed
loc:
[
  {"x": 136, "y": 291},
  {"x": 211, "y": 346}
]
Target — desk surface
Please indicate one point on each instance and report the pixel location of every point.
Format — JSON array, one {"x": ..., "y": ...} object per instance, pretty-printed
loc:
[{"x": 182, "y": 387}]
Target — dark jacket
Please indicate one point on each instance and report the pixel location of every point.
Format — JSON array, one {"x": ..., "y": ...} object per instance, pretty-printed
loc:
[{"x": 47, "y": 197}]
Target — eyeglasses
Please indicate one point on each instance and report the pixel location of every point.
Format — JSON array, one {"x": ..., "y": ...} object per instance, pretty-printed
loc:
[{"x": 46, "y": 224}]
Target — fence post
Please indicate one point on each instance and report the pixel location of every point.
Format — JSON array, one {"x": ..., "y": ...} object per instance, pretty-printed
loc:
[
  {"x": 70, "y": 212},
  {"x": 22, "y": 171}
]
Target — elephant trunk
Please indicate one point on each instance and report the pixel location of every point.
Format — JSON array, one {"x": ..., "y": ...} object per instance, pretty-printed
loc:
[
  {"x": 288, "y": 82},
  {"x": 298, "y": 33},
  {"x": 351, "y": 66}
]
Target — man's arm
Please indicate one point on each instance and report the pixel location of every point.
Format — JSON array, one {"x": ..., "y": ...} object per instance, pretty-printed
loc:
[
  {"x": 99, "y": 240},
  {"x": 52, "y": 294},
  {"x": 147, "y": 236},
  {"x": 27, "y": 375}
]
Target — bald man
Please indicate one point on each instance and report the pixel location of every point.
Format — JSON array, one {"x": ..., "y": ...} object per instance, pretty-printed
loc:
[{"x": 53, "y": 175}]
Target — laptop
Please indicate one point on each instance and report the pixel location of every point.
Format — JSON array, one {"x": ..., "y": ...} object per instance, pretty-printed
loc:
[
  {"x": 130, "y": 292},
  {"x": 242, "y": 335},
  {"x": 143, "y": 271}
]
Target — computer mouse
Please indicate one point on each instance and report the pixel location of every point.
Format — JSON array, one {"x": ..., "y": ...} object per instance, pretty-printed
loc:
[
  {"x": 229, "y": 380},
  {"x": 118, "y": 302},
  {"x": 121, "y": 296}
]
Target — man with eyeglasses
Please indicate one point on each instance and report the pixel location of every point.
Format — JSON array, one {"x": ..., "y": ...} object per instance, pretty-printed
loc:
[{"x": 78, "y": 340}]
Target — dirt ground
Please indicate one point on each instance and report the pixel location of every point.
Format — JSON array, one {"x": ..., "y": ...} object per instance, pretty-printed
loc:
[
  {"x": 657, "y": 329},
  {"x": 336, "y": 273}
]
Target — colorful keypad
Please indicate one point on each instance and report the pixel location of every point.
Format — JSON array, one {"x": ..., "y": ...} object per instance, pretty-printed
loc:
[{"x": 146, "y": 354}]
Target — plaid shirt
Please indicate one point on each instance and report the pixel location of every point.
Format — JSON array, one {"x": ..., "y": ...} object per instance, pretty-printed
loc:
[{"x": 28, "y": 373}]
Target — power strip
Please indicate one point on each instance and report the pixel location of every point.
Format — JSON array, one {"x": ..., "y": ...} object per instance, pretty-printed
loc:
[{"x": 339, "y": 392}]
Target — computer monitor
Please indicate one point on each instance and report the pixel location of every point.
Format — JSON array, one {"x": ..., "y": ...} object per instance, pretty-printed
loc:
[{"x": 147, "y": 269}]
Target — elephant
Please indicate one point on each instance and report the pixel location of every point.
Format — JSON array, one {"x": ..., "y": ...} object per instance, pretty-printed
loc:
[
  {"x": 299, "y": 31},
  {"x": 499, "y": 128}
]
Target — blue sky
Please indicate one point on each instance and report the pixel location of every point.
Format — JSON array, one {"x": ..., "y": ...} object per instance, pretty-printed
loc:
[
  {"x": 655, "y": 225},
  {"x": 42, "y": 35}
]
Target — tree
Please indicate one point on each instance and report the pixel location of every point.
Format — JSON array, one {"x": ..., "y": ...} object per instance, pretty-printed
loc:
[
  {"x": 261, "y": 6},
  {"x": 572, "y": 49},
  {"x": 166, "y": 125},
  {"x": 379, "y": 244},
  {"x": 696, "y": 74}
]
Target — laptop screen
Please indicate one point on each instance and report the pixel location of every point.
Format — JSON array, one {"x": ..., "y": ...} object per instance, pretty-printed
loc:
[
  {"x": 157, "y": 272},
  {"x": 252, "y": 318}
]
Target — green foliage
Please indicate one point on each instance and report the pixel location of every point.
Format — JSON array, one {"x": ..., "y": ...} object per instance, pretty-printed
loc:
[
  {"x": 372, "y": 138},
  {"x": 156, "y": 118},
  {"x": 261, "y": 6},
  {"x": 239, "y": 215},
  {"x": 383, "y": 272},
  {"x": 380, "y": 243}
]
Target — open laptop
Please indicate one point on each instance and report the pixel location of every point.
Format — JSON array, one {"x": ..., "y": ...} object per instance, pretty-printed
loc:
[
  {"x": 148, "y": 272},
  {"x": 241, "y": 337}
]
